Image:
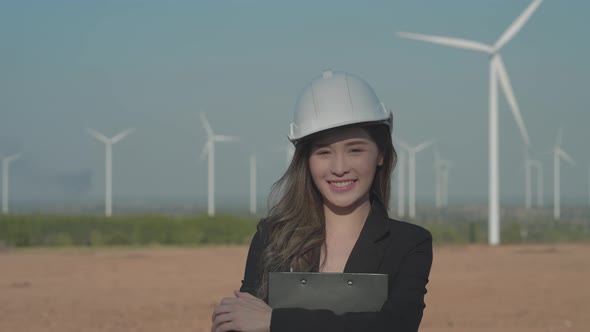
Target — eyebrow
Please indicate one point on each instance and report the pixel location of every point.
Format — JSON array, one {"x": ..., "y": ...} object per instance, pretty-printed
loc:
[{"x": 357, "y": 142}]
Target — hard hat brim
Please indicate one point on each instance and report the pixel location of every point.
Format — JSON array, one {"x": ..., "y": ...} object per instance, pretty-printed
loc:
[{"x": 386, "y": 121}]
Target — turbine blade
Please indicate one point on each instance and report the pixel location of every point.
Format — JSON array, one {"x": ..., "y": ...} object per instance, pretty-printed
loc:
[
  {"x": 223, "y": 138},
  {"x": 12, "y": 158},
  {"x": 516, "y": 25},
  {"x": 98, "y": 135},
  {"x": 122, "y": 135},
  {"x": 206, "y": 125},
  {"x": 566, "y": 157},
  {"x": 507, "y": 88},
  {"x": 423, "y": 146},
  {"x": 448, "y": 41}
]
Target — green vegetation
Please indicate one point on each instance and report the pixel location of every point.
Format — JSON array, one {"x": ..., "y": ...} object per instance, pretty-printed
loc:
[
  {"x": 447, "y": 228},
  {"x": 32, "y": 231},
  {"x": 511, "y": 232},
  {"x": 518, "y": 225}
]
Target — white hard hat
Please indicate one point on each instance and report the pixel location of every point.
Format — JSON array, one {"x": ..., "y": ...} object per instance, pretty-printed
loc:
[{"x": 336, "y": 99}]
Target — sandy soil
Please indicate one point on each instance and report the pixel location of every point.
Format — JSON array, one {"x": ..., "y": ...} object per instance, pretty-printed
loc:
[{"x": 508, "y": 288}]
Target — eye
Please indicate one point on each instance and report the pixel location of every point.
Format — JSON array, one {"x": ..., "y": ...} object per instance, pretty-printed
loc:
[
  {"x": 322, "y": 152},
  {"x": 356, "y": 150}
]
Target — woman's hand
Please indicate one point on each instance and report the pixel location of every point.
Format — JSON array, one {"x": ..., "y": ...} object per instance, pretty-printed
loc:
[{"x": 244, "y": 313}]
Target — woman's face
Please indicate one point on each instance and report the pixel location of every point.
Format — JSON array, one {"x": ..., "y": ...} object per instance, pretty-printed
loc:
[{"x": 342, "y": 163}]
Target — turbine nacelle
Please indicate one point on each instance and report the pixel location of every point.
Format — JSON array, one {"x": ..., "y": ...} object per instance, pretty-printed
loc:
[{"x": 112, "y": 140}]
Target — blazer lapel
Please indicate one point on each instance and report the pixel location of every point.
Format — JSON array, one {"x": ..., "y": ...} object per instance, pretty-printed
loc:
[{"x": 368, "y": 251}]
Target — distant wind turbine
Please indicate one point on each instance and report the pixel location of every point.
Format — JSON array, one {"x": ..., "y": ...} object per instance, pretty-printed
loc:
[
  {"x": 5, "y": 165},
  {"x": 441, "y": 174},
  {"x": 209, "y": 151},
  {"x": 539, "y": 171},
  {"x": 109, "y": 163},
  {"x": 527, "y": 178},
  {"x": 529, "y": 165},
  {"x": 445, "y": 183},
  {"x": 498, "y": 74},
  {"x": 411, "y": 151},
  {"x": 558, "y": 154}
]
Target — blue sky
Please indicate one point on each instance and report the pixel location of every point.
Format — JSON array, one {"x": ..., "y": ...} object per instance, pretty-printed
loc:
[{"x": 154, "y": 65}]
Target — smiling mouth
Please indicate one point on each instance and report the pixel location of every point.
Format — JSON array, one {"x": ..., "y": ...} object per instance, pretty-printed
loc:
[{"x": 341, "y": 184}]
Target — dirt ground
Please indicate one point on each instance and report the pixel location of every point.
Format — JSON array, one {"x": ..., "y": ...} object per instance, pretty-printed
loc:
[{"x": 472, "y": 288}]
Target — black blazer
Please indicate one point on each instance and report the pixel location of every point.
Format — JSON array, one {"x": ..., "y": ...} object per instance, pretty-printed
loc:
[{"x": 388, "y": 246}]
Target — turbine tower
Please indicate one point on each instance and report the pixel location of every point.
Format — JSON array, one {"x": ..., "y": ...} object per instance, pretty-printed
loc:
[
  {"x": 529, "y": 166},
  {"x": 412, "y": 150},
  {"x": 527, "y": 182},
  {"x": 498, "y": 74},
  {"x": 441, "y": 174},
  {"x": 445, "y": 184},
  {"x": 5, "y": 166},
  {"x": 535, "y": 164},
  {"x": 558, "y": 154},
  {"x": 209, "y": 151},
  {"x": 109, "y": 164}
]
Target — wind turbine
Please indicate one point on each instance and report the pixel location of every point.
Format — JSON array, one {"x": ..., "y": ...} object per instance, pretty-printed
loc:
[
  {"x": 558, "y": 154},
  {"x": 109, "y": 163},
  {"x": 209, "y": 150},
  {"x": 5, "y": 165},
  {"x": 498, "y": 74},
  {"x": 412, "y": 150},
  {"x": 441, "y": 174},
  {"x": 529, "y": 165},
  {"x": 437, "y": 182},
  {"x": 252, "y": 184},
  {"x": 539, "y": 169},
  {"x": 527, "y": 182},
  {"x": 445, "y": 184}
]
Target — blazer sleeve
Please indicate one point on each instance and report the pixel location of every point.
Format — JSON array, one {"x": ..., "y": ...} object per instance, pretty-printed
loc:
[
  {"x": 252, "y": 273},
  {"x": 402, "y": 311}
]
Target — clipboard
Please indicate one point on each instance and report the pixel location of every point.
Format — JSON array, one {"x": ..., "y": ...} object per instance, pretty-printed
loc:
[{"x": 338, "y": 292}]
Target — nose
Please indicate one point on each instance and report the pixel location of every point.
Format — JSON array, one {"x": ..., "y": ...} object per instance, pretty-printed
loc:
[{"x": 339, "y": 165}]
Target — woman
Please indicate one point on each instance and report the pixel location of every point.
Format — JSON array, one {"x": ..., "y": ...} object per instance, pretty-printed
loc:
[{"x": 331, "y": 216}]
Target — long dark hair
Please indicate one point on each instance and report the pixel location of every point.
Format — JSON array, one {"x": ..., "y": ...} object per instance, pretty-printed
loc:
[{"x": 295, "y": 222}]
